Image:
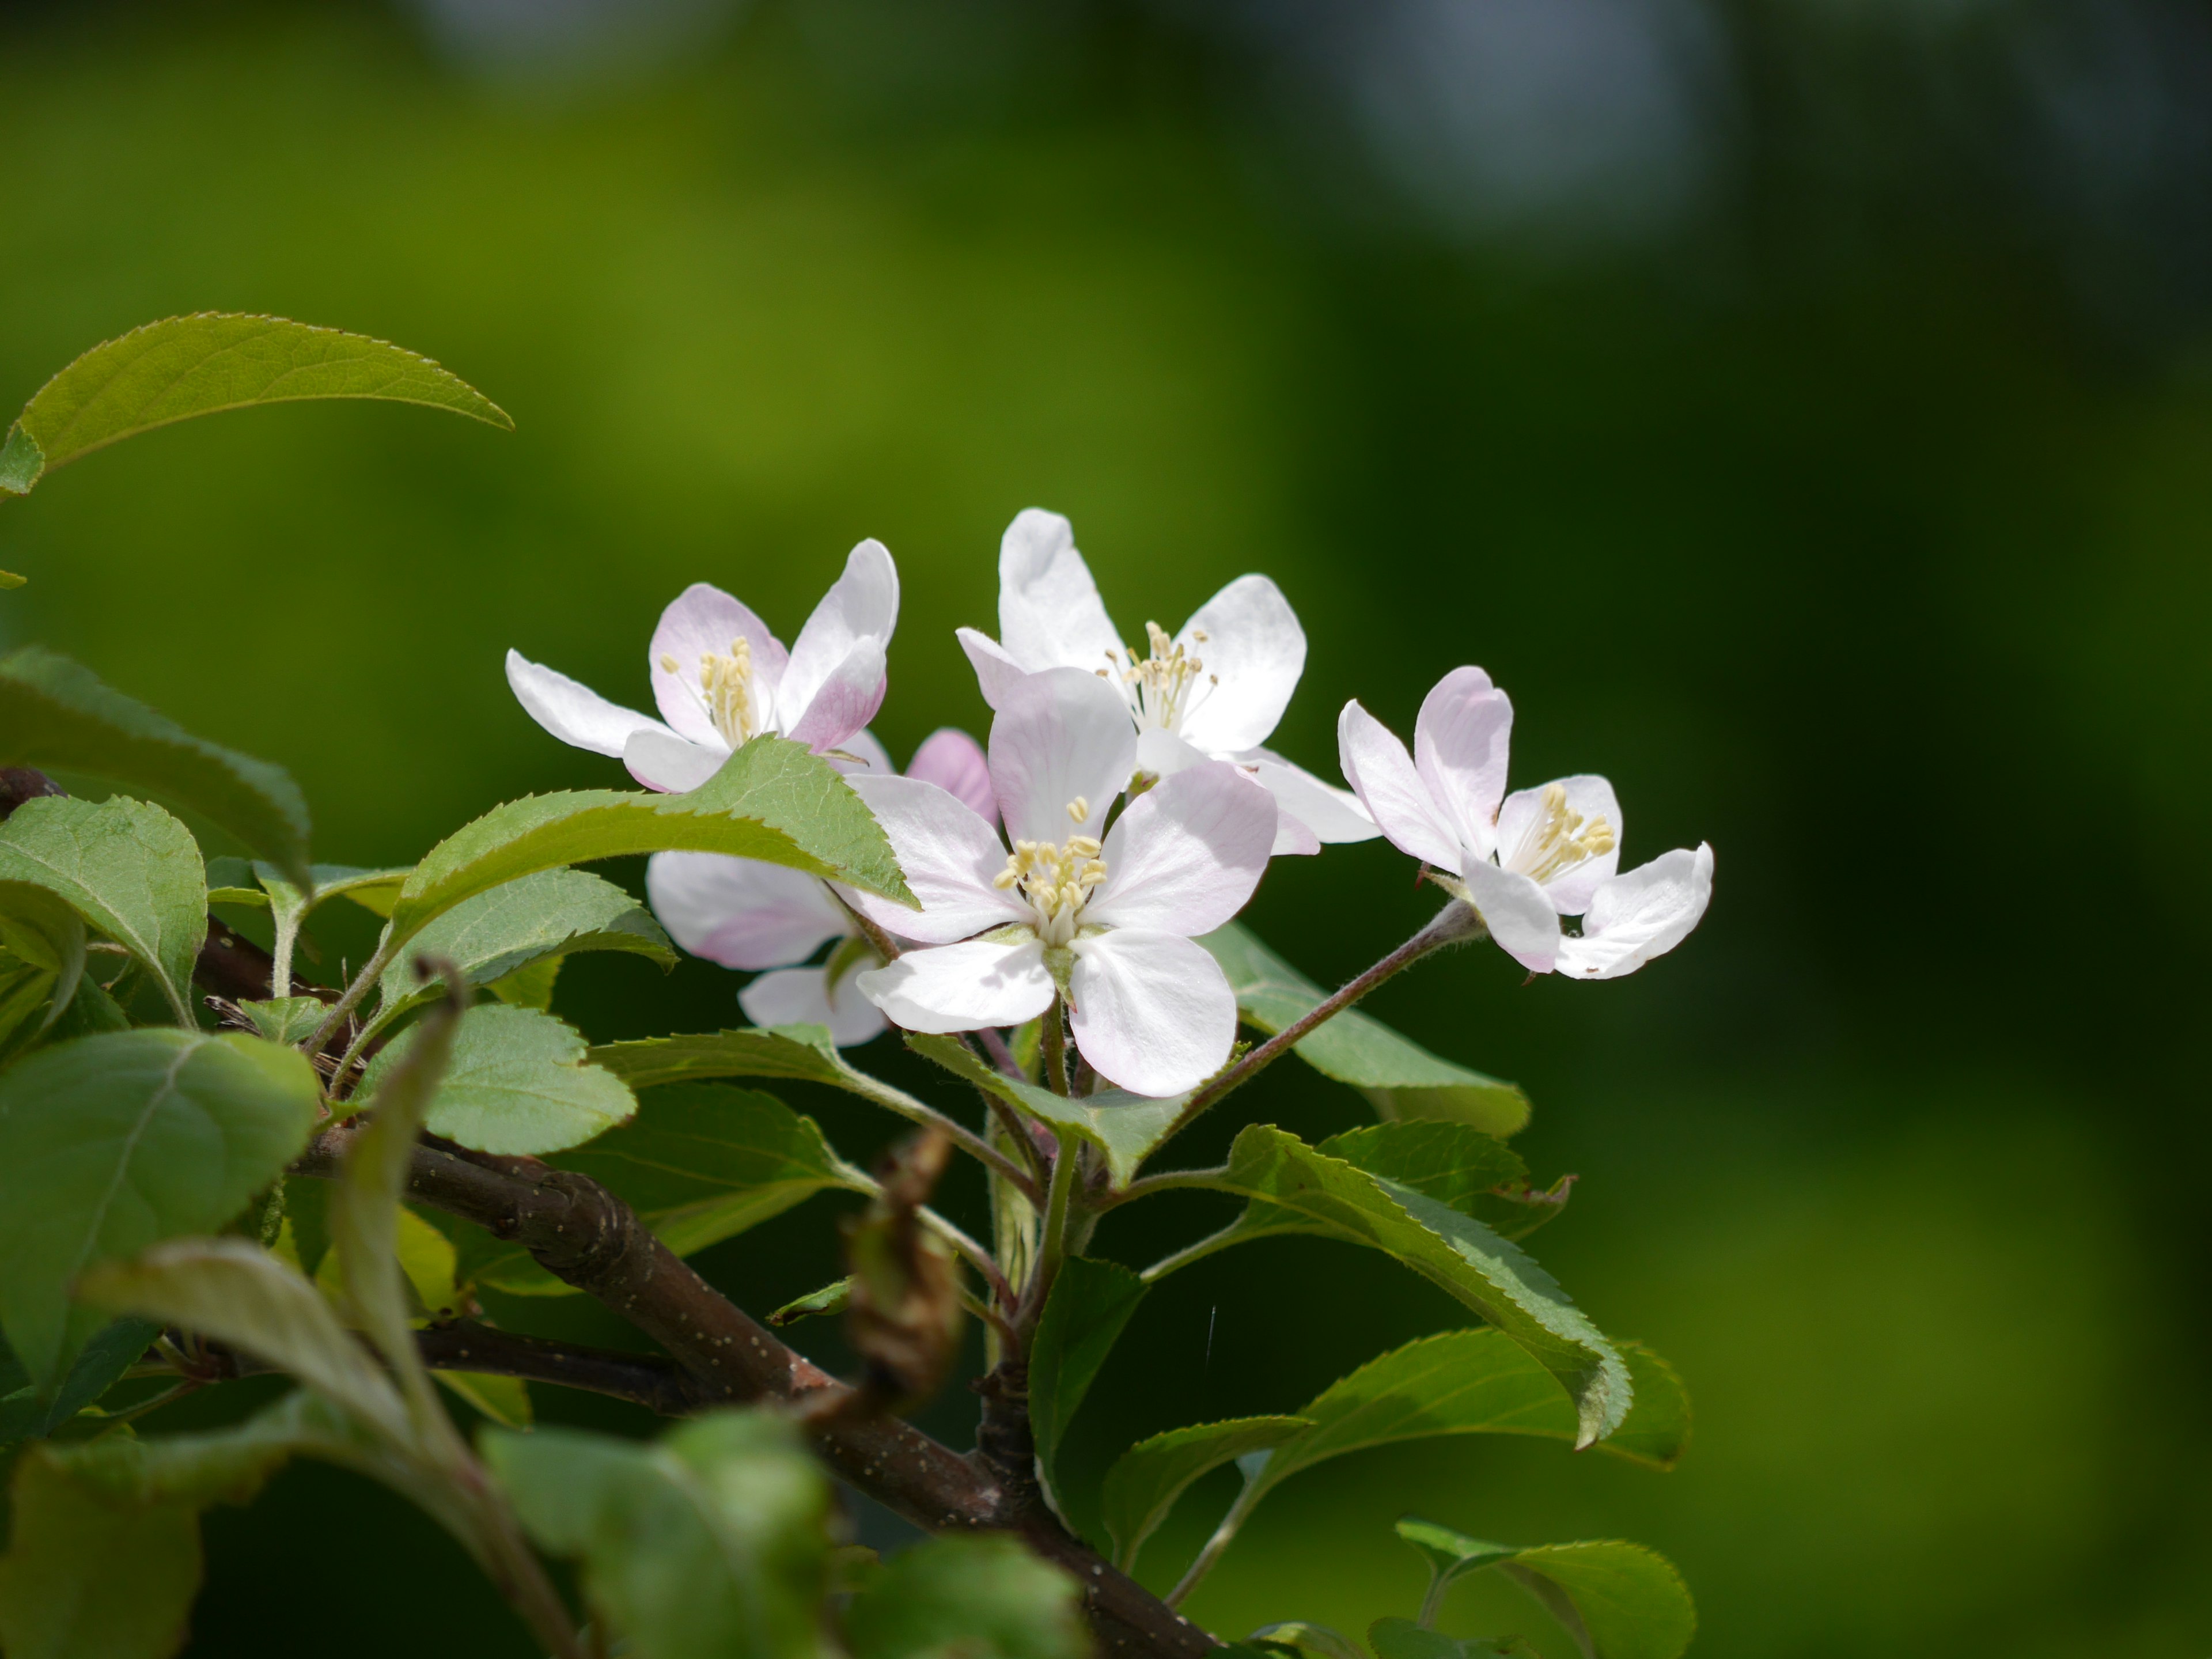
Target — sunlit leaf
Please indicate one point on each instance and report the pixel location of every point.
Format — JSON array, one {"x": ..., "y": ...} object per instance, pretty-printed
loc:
[
  {"x": 973, "y": 1597},
  {"x": 1402, "y": 1078},
  {"x": 54, "y": 712},
  {"x": 1126, "y": 1129},
  {"x": 518, "y": 1084},
  {"x": 1090, "y": 1304},
  {"x": 111, "y": 1143},
  {"x": 1617, "y": 1601},
  {"x": 1145, "y": 1481}
]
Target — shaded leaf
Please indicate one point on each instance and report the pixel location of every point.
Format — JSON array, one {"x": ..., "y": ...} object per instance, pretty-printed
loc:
[
  {"x": 1617, "y": 1601},
  {"x": 529, "y": 987},
  {"x": 833, "y": 1298},
  {"x": 1090, "y": 1304},
  {"x": 1401, "y": 1638},
  {"x": 518, "y": 1084},
  {"x": 968, "y": 1597},
  {"x": 181, "y": 367},
  {"x": 1145, "y": 1481},
  {"x": 1450, "y": 1554},
  {"x": 56, "y": 712},
  {"x": 287, "y": 1020},
  {"x": 1402, "y": 1078},
  {"x": 111, "y": 1143},
  {"x": 128, "y": 868},
  {"x": 772, "y": 800},
  {"x": 1126, "y": 1129},
  {"x": 504, "y": 1400},
  {"x": 112, "y": 1350},
  {"x": 1298, "y": 1637},
  {"x": 41, "y": 961},
  {"x": 711, "y": 1543}
]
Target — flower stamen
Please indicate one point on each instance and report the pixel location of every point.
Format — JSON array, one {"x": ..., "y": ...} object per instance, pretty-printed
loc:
[
  {"x": 1055, "y": 881},
  {"x": 726, "y": 691},
  {"x": 1558, "y": 839},
  {"x": 1159, "y": 687}
]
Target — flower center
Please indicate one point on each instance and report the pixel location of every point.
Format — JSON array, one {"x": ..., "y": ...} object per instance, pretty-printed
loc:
[
  {"x": 1163, "y": 687},
  {"x": 1558, "y": 839},
  {"x": 1055, "y": 881},
  {"x": 726, "y": 691}
]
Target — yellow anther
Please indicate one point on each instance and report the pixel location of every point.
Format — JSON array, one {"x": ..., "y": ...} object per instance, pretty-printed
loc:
[
  {"x": 1055, "y": 881},
  {"x": 1560, "y": 839},
  {"x": 725, "y": 688},
  {"x": 1079, "y": 808},
  {"x": 668, "y": 663}
]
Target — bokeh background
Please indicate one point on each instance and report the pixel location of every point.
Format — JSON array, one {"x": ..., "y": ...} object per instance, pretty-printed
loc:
[{"x": 1801, "y": 408}]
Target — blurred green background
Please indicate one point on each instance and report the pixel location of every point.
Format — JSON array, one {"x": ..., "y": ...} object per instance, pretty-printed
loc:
[{"x": 1803, "y": 410}]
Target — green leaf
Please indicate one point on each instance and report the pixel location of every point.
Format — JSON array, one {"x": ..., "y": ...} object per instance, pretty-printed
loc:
[
  {"x": 504, "y": 1400},
  {"x": 699, "y": 1163},
  {"x": 1299, "y": 1637},
  {"x": 1296, "y": 1187},
  {"x": 772, "y": 800},
  {"x": 41, "y": 961},
  {"x": 1126, "y": 1129},
  {"x": 518, "y": 1084},
  {"x": 110, "y": 1352},
  {"x": 711, "y": 1543},
  {"x": 110, "y": 1143},
  {"x": 1402, "y": 1078},
  {"x": 181, "y": 367},
  {"x": 1145, "y": 1481},
  {"x": 968, "y": 1597},
  {"x": 549, "y": 914},
  {"x": 529, "y": 987},
  {"x": 287, "y": 1020},
  {"x": 1451, "y": 1556},
  {"x": 54, "y": 712},
  {"x": 91, "y": 1012},
  {"x": 830, "y": 1299},
  {"x": 1090, "y": 1304},
  {"x": 1476, "y": 1174},
  {"x": 1617, "y": 1601},
  {"x": 1401, "y": 1638},
  {"x": 128, "y": 868},
  {"x": 235, "y": 1291}
]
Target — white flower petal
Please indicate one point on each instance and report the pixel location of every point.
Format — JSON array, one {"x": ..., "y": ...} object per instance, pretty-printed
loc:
[
  {"x": 1050, "y": 615},
  {"x": 799, "y": 996},
  {"x": 954, "y": 762},
  {"x": 702, "y": 621},
  {"x": 1252, "y": 653},
  {"x": 949, "y": 856},
  {"x": 660, "y": 760},
  {"x": 1186, "y": 856},
  {"x": 571, "y": 710},
  {"x": 1519, "y": 917},
  {"x": 844, "y": 702},
  {"x": 1061, "y": 735},
  {"x": 963, "y": 987},
  {"x": 1523, "y": 816},
  {"x": 1331, "y": 815},
  {"x": 740, "y": 912},
  {"x": 1380, "y": 772},
  {"x": 1640, "y": 915},
  {"x": 860, "y": 611},
  {"x": 1152, "y": 1012},
  {"x": 994, "y": 669},
  {"x": 1460, "y": 741}
]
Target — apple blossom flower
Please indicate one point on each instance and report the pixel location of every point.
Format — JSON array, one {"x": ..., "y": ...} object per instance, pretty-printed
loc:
[
  {"x": 1214, "y": 692},
  {"x": 1525, "y": 859},
  {"x": 748, "y": 914},
  {"x": 1104, "y": 920},
  {"x": 720, "y": 678}
]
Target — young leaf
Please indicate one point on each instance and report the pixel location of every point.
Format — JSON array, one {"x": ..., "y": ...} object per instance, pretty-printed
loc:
[
  {"x": 128, "y": 868},
  {"x": 549, "y": 914},
  {"x": 518, "y": 1084},
  {"x": 1455, "y": 1165},
  {"x": 1090, "y": 1303},
  {"x": 24, "y": 1415},
  {"x": 54, "y": 713},
  {"x": 111, "y": 1143},
  {"x": 1617, "y": 1601},
  {"x": 1402, "y": 1078},
  {"x": 973, "y": 1597},
  {"x": 1296, "y": 1187},
  {"x": 772, "y": 800},
  {"x": 181, "y": 367},
  {"x": 42, "y": 948},
  {"x": 1297, "y": 1635},
  {"x": 699, "y": 1163},
  {"x": 286, "y": 1020},
  {"x": 1126, "y": 1129},
  {"x": 830, "y": 1299},
  {"x": 235, "y": 1291},
  {"x": 1401, "y": 1638},
  {"x": 1451, "y": 1556},
  {"x": 1145, "y": 1481},
  {"x": 710, "y": 1544}
]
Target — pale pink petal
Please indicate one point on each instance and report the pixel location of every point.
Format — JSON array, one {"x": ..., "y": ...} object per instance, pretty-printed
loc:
[
  {"x": 1163, "y": 754},
  {"x": 799, "y": 996},
  {"x": 1519, "y": 917},
  {"x": 1330, "y": 815},
  {"x": 994, "y": 669},
  {"x": 660, "y": 760},
  {"x": 1050, "y": 612},
  {"x": 1152, "y": 1012},
  {"x": 1522, "y": 819},
  {"x": 1459, "y": 740},
  {"x": 571, "y": 710},
  {"x": 702, "y": 621},
  {"x": 1062, "y": 735},
  {"x": 867, "y": 754},
  {"x": 963, "y": 987},
  {"x": 948, "y": 855},
  {"x": 844, "y": 702},
  {"x": 740, "y": 912},
  {"x": 1252, "y": 653},
  {"x": 954, "y": 762},
  {"x": 1640, "y": 915},
  {"x": 1187, "y": 854},
  {"x": 859, "y": 609},
  {"x": 1381, "y": 773}
]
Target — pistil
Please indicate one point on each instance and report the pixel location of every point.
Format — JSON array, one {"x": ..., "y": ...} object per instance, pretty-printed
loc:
[{"x": 1055, "y": 881}]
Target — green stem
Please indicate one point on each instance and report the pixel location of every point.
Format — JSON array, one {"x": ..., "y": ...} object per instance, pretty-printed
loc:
[
  {"x": 373, "y": 970},
  {"x": 1254, "y": 1486},
  {"x": 1053, "y": 1249},
  {"x": 1055, "y": 1050}
]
